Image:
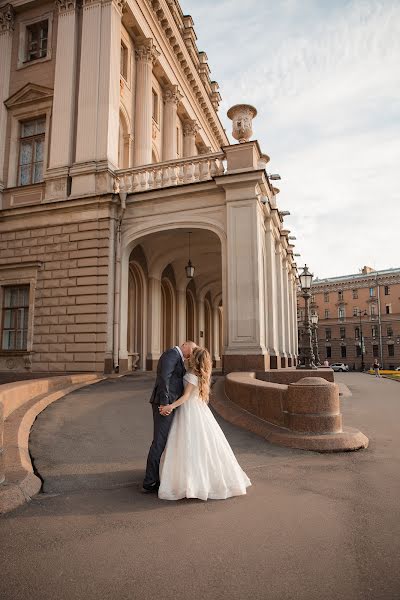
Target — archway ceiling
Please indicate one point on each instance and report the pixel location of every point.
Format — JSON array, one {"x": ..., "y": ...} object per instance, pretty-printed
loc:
[{"x": 172, "y": 247}]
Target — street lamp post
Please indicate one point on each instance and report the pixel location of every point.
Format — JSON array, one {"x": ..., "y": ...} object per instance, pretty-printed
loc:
[
  {"x": 362, "y": 314},
  {"x": 314, "y": 330},
  {"x": 307, "y": 358}
]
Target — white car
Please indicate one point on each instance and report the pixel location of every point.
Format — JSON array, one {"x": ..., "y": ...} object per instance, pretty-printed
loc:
[
  {"x": 397, "y": 369},
  {"x": 339, "y": 367}
]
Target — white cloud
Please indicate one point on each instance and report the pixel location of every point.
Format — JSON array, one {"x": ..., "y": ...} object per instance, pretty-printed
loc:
[{"x": 325, "y": 78}]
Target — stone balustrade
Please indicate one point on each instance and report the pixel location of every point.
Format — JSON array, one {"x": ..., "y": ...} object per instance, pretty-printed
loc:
[{"x": 170, "y": 173}]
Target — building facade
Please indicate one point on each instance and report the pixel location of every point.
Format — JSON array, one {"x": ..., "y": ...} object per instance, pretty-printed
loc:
[
  {"x": 358, "y": 318},
  {"x": 112, "y": 161}
]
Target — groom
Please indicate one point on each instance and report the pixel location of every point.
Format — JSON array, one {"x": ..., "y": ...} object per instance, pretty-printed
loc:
[{"x": 167, "y": 389}]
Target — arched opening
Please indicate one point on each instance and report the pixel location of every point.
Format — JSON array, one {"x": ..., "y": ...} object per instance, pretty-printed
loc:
[
  {"x": 207, "y": 323},
  {"x": 137, "y": 310},
  {"x": 168, "y": 309},
  {"x": 190, "y": 314},
  {"x": 124, "y": 142}
]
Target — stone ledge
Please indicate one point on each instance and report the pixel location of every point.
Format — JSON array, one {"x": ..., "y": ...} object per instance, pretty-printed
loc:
[
  {"x": 20, "y": 481},
  {"x": 347, "y": 440}
]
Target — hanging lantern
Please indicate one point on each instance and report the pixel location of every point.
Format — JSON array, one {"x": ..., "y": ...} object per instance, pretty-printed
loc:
[{"x": 189, "y": 267}]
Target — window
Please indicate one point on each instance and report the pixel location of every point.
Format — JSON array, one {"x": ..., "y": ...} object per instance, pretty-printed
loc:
[
  {"x": 355, "y": 311},
  {"x": 355, "y": 294},
  {"x": 374, "y": 331},
  {"x": 389, "y": 331},
  {"x": 326, "y": 296},
  {"x": 328, "y": 352},
  {"x": 36, "y": 40},
  {"x": 340, "y": 296},
  {"x": 372, "y": 310},
  {"x": 341, "y": 312},
  {"x": 312, "y": 298},
  {"x": 326, "y": 313},
  {"x": 387, "y": 290},
  {"x": 388, "y": 309},
  {"x": 343, "y": 332},
  {"x": 358, "y": 350},
  {"x": 155, "y": 106},
  {"x": 31, "y": 151},
  {"x": 15, "y": 317},
  {"x": 375, "y": 350},
  {"x": 328, "y": 334},
  {"x": 124, "y": 61},
  {"x": 343, "y": 351},
  {"x": 390, "y": 349},
  {"x": 371, "y": 292},
  {"x": 357, "y": 333},
  {"x": 178, "y": 140}
]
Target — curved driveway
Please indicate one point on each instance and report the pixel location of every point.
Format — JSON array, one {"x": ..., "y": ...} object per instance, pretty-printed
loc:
[{"x": 312, "y": 527}]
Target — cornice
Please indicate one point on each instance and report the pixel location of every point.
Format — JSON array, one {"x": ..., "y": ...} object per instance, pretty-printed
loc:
[
  {"x": 174, "y": 32},
  {"x": 366, "y": 282}
]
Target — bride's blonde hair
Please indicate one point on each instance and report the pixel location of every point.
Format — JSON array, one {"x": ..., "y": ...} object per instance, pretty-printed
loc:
[{"x": 200, "y": 364}]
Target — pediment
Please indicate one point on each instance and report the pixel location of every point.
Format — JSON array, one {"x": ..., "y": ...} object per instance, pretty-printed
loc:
[{"x": 29, "y": 94}]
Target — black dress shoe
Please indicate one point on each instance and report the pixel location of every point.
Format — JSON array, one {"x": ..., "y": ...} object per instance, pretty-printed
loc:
[{"x": 150, "y": 489}]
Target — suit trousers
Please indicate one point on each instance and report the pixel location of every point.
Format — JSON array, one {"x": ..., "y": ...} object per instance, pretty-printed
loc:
[{"x": 162, "y": 426}]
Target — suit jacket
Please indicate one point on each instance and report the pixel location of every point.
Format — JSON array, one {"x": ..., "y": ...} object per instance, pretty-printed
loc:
[{"x": 169, "y": 382}]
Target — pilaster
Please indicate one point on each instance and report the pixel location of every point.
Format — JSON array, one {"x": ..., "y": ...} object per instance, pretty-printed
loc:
[
  {"x": 154, "y": 323},
  {"x": 190, "y": 129},
  {"x": 272, "y": 295},
  {"x": 146, "y": 55},
  {"x": 181, "y": 302},
  {"x": 172, "y": 97},
  {"x": 98, "y": 100},
  {"x": 7, "y": 24},
  {"x": 215, "y": 346}
]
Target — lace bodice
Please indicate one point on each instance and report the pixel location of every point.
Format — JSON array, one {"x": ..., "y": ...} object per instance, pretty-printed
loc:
[{"x": 191, "y": 378}]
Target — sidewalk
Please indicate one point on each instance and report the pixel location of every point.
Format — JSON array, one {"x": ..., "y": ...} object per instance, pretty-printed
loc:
[{"x": 312, "y": 527}]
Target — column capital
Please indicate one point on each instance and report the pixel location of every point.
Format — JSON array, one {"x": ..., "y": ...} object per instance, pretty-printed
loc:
[
  {"x": 7, "y": 18},
  {"x": 171, "y": 94},
  {"x": 190, "y": 127},
  {"x": 146, "y": 51}
]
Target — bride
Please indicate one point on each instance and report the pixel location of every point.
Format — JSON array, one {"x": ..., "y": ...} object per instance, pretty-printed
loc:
[{"x": 198, "y": 461}]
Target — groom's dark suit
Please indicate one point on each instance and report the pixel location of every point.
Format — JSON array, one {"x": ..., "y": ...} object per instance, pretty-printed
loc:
[{"x": 167, "y": 389}]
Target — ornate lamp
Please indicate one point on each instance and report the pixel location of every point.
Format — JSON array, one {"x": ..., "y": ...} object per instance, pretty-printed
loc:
[
  {"x": 307, "y": 358},
  {"x": 189, "y": 267}
]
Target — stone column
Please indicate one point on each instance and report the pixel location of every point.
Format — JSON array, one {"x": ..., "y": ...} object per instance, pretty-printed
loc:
[
  {"x": 181, "y": 302},
  {"x": 154, "y": 323},
  {"x": 146, "y": 55},
  {"x": 280, "y": 304},
  {"x": 215, "y": 346},
  {"x": 172, "y": 96},
  {"x": 98, "y": 99},
  {"x": 7, "y": 24},
  {"x": 295, "y": 323},
  {"x": 201, "y": 322},
  {"x": 286, "y": 312},
  {"x": 272, "y": 314},
  {"x": 190, "y": 128}
]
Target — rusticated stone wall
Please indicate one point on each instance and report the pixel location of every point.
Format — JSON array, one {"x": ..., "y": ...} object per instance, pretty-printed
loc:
[{"x": 63, "y": 255}]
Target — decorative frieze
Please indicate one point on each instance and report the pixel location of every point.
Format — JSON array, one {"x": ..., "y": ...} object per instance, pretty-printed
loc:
[
  {"x": 7, "y": 18},
  {"x": 190, "y": 127},
  {"x": 65, "y": 6}
]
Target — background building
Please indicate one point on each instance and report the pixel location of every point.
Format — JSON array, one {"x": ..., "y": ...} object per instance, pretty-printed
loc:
[
  {"x": 354, "y": 306},
  {"x": 111, "y": 156}
]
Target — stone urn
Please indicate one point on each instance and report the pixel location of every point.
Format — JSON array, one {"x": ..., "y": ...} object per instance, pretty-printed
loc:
[{"x": 242, "y": 116}]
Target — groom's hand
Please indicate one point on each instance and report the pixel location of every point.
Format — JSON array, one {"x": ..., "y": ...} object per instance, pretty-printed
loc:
[{"x": 165, "y": 410}]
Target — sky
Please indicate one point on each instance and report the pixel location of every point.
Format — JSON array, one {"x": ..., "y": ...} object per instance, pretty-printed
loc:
[{"x": 324, "y": 76}]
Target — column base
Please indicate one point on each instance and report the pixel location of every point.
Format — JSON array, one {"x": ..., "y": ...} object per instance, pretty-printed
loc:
[
  {"x": 151, "y": 364},
  {"x": 245, "y": 362},
  {"x": 273, "y": 362},
  {"x": 108, "y": 366},
  {"x": 123, "y": 365}
]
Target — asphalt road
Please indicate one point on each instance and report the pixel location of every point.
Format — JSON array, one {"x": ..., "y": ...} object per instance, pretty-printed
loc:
[{"x": 312, "y": 527}]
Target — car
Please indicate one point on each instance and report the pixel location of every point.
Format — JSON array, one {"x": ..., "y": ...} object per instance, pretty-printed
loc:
[
  {"x": 397, "y": 369},
  {"x": 339, "y": 367}
]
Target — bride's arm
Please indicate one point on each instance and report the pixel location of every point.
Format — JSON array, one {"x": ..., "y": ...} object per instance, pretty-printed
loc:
[{"x": 185, "y": 396}]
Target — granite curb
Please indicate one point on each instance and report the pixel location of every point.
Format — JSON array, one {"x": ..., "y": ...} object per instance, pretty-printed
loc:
[
  {"x": 348, "y": 440},
  {"x": 21, "y": 483}
]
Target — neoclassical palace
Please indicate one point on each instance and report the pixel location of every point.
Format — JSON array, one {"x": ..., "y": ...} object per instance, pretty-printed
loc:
[{"x": 128, "y": 222}]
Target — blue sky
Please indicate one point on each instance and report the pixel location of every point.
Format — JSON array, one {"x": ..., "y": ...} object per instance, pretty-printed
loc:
[{"x": 324, "y": 76}]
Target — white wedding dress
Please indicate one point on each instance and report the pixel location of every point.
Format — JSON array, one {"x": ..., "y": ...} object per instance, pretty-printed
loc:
[{"x": 198, "y": 461}]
